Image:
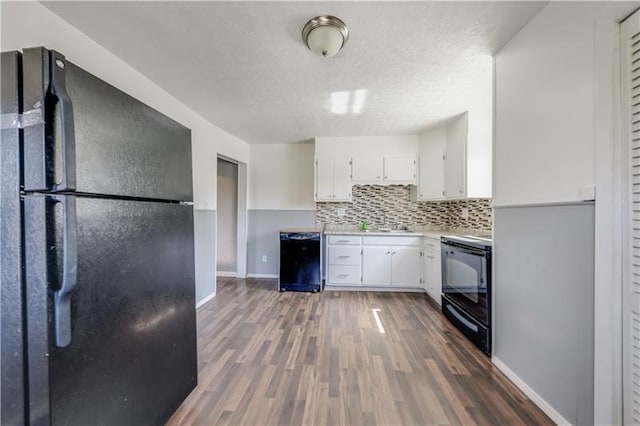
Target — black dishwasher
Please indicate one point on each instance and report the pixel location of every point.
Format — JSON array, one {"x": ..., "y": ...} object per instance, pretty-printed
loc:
[{"x": 300, "y": 260}]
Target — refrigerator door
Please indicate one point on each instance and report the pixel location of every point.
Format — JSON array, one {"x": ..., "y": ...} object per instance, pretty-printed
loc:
[
  {"x": 12, "y": 390},
  {"x": 100, "y": 140},
  {"x": 123, "y": 349}
]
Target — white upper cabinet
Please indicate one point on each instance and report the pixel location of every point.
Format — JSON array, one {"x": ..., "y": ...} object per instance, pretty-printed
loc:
[
  {"x": 324, "y": 180},
  {"x": 341, "y": 179},
  {"x": 400, "y": 170},
  {"x": 333, "y": 179},
  {"x": 367, "y": 170},
  {"x": 455, "y": 163},
  {"x": 431, "y": 165},
  {"x": 397, "y": 170}
]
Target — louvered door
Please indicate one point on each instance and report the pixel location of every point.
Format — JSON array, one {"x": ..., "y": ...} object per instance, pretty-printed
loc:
[{"x": 631, "y": 250}]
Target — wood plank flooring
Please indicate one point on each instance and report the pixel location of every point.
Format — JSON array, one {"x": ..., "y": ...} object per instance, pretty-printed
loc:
[{"x": 270, "y": 358}]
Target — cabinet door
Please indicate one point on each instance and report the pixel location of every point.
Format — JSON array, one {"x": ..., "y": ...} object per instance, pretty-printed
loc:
[
  {"x": 400, "y": 170},
  {"x": 406, "y": 266},
  {"x": 426, "y": 270},
  {"x": 324, "y": 179},
  {"x": 433, "y": 274},
  {"x": 431, "y": 167},
  {"x": 455, "y": 159},
  {"x": 376, "y": 266},
  {"x": 367, "y": 170},
  {"x": 342, "y": 179}
]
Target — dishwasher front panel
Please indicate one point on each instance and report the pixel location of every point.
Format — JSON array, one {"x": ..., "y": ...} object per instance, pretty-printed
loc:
[{"x": 300, "y": 264}]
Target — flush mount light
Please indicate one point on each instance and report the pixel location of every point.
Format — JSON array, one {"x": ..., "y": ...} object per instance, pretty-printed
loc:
[{"x": 325, "y": 35}]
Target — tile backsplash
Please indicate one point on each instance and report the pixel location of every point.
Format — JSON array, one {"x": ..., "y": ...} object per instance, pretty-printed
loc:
[{"x": 391, "y": 204}]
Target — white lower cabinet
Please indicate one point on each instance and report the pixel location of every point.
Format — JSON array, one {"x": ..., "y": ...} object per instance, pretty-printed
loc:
[
  {"x": 405, "y": 267},
  {"x": 376, "y": 266},
  {"x": 374, "y": 261},
  {"x": 432, "y": 270},
  {"x": 344, "y": 261},
  {"x": 393, "y": 265}
]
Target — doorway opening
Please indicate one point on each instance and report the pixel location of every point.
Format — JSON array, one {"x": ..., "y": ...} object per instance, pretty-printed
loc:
[
  {"x": 227, "y": 238},
  {"x": 231, "y": 226}
]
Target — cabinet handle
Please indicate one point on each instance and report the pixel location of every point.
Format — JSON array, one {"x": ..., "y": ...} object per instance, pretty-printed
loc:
[
  {"x": 377, "y": 177},
  {"x": 388, "y": 252},
  {"x": 343, "y": 276},
  {"x": 393, "y": 252},
  {"x": 343, "y": 257},
  {"x": 386, "y": 177},
  {"x": 343, "y": 241}
]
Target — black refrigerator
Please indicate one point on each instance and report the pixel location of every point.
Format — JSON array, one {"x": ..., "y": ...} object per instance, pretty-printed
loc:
[{"x": 97, "y": 262}]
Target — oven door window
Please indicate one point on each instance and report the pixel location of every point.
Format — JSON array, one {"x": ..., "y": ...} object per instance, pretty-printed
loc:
[{"x": 464, "y": 274}]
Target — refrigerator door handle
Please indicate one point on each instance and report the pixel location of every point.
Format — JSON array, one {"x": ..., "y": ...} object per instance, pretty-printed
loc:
[
  {"x": 58, "y": 89},
  {"x": 62, "y": 296}
]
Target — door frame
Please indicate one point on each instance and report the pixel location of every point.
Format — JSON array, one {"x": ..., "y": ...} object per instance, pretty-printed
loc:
[{"x": 241, "y": 231}]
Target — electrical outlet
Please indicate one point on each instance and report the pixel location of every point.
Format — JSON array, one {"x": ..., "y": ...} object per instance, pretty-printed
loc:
[
  {"x": 264, "y": 258},
  {"x": 341, "y": 212},
  {"x": 465, "y": 213}
]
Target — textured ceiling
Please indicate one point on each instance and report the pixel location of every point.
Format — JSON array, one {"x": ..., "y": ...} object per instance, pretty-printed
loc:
[{"x": 243, "y": 66}]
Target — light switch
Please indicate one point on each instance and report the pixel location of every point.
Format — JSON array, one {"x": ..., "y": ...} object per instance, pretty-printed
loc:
[
  {"x": 465, "y": 213},
  {"x": 340, "y": 212}
]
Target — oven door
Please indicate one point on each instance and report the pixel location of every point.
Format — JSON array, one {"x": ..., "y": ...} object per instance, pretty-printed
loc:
[{"x": 464, "y": 279}]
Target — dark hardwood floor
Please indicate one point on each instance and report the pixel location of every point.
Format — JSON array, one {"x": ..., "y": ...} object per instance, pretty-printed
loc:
[{"x": 270, "y": 358}]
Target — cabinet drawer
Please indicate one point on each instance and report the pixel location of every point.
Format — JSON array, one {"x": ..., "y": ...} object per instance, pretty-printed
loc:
[
  {"x": 392, "y": 241},
  {"x": 343, "y": 274},
  {"x": 344, "y": 239},
  {"x": 341, "y": 255},
  {"x": 432, "y": 243}
]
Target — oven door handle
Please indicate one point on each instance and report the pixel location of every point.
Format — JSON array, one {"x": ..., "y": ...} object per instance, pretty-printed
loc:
[
  {"x": 466, "y": 322},
  {"x": 455, "y": 248}
]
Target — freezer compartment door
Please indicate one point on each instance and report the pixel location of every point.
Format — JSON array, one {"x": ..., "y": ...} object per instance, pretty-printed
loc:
[
  {"x": 12, "y": 390},
  {"x": 97, "y": 139},
  {"x": 118, "y": 310}
]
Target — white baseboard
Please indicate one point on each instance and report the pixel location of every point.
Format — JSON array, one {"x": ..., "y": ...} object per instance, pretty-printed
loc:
[
  {"x": 205, "y": 300},
  {"x": 556, "y": 417},
  {"x": 226, "y": 274},
  {"x": 329, "y": 287},
  {"x": 262, "y": 275}
]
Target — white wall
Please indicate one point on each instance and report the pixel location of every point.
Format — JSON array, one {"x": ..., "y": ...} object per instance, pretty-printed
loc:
[
  {"x": 352, "y": 146},
  {"x": 29, "y": 24},
  {"x": 281, "y": 177},
  {"x": 545, "y": 102},
  {"x": 556, "y": 124}
]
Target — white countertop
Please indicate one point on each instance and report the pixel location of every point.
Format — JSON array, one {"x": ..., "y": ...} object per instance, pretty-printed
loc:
[
  {"x": 375, "y": 233},
  {"x": 428, "y": 232}
]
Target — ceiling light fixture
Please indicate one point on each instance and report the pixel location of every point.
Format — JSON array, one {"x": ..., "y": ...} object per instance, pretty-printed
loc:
[{"x": 325, "y": 35}]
